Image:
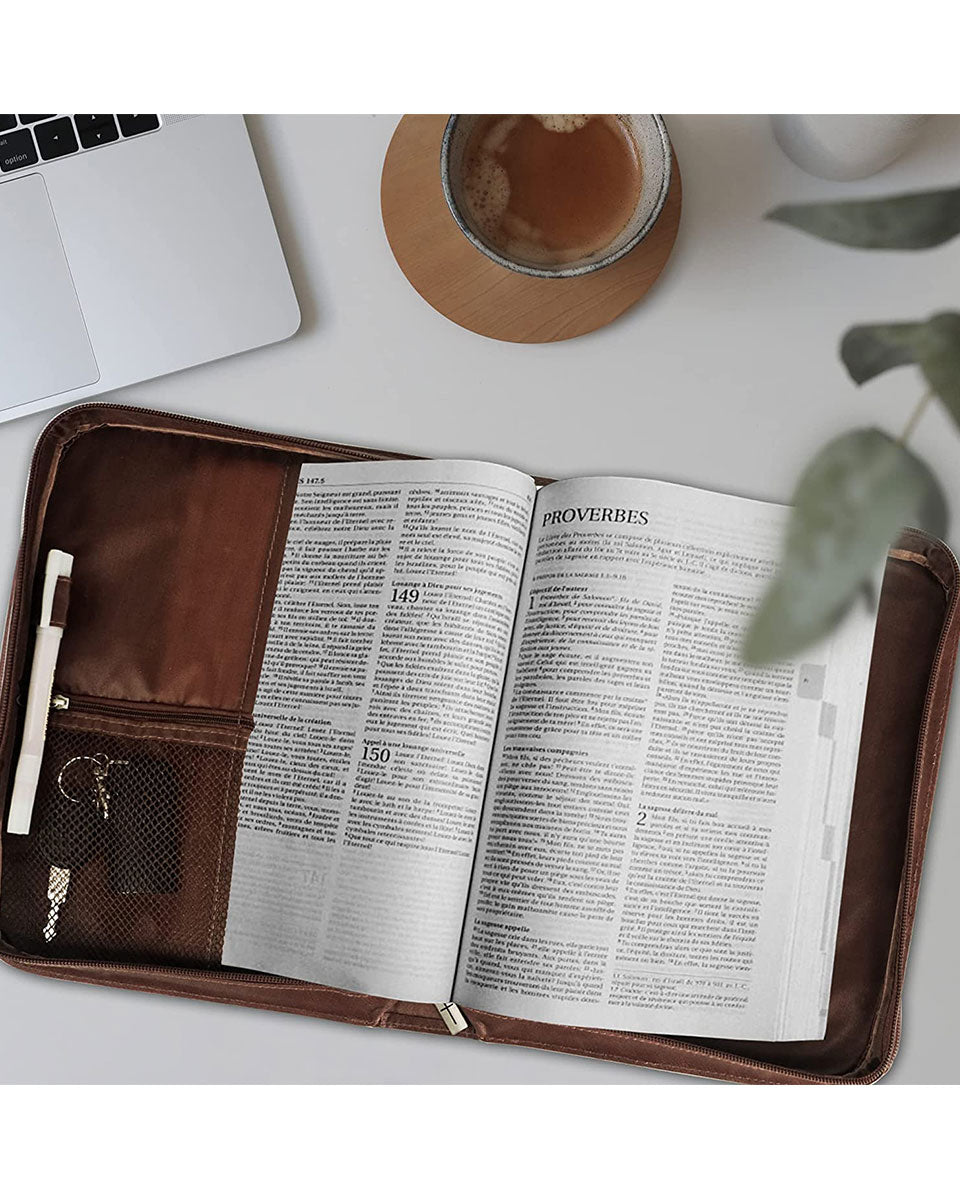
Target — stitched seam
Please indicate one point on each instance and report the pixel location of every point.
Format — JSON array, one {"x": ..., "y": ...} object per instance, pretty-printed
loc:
[
  {"x": 631, "y": 1038},
  {"x": 97, "y": 724},
  {"x": 613, "y": 1035},
  {"x": 263, "y": 586}
]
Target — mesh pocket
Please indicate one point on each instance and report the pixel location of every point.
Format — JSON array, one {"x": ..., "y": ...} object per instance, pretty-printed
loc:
[{"x": 145, "y": 819}]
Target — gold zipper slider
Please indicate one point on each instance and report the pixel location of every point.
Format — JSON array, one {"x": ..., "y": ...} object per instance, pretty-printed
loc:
[{"x": 59, "y": 702}]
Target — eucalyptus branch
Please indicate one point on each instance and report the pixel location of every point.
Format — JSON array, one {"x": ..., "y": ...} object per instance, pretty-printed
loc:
[
  {"x": 865, "y": 485},
  {"x": 915, "y": 416}
]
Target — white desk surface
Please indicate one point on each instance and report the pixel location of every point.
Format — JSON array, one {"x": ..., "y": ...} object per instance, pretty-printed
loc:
[{"x": 726, "y": 376}]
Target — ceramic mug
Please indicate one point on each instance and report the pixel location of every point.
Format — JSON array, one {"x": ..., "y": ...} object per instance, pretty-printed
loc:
[
  {"x": 649, "y": 134},
  {"x": 845, "y": 146}
]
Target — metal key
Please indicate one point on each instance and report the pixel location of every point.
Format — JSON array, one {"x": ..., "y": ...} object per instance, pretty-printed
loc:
[
  {"x": 70, "y": 837},
  {"x": 72, "y": 832},
  {"x": 57, "y": 890}
]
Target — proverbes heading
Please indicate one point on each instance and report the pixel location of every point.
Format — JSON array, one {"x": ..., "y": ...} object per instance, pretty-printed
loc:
[{"x": 618, "y": 516}]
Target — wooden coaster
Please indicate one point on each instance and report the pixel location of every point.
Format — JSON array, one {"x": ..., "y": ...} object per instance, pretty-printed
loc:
[{"x": 464, "y": 285}]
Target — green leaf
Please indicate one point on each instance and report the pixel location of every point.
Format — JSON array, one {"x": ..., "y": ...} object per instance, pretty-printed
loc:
[
  {"x": 914, "y": 221},
  {"x": 934, "y": 345},
  {"x": 869, "y": 350},
  {"x": 849, "y": 505}
]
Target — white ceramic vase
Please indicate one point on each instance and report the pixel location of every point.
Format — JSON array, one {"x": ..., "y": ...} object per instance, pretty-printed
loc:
[{"x": 845, "y": 146}]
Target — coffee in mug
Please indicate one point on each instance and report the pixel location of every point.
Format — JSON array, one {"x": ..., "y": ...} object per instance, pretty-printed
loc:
[
  {"x": 555, "y": 194},
  {"x": 551, "y": 189}
]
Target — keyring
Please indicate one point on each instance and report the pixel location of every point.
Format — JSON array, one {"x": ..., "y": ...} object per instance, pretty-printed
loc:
[{"x": 101, "y": 765}]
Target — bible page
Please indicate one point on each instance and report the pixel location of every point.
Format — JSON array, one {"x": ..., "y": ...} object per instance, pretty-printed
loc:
[
  {"x": 663, "y": 839},
  {"x": 374, "y": 723}
]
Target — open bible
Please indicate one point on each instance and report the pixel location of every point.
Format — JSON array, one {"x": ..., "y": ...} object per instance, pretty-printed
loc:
[{"x": 505, "y": 753}]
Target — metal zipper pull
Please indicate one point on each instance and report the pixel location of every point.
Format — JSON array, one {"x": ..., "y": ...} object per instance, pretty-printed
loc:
[
  {"x": 59, "y": 702},
  {"x": 453, "y": 1018}
]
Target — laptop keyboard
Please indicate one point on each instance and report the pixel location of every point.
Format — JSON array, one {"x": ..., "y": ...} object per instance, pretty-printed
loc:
[{"x": 26, "y": 139}]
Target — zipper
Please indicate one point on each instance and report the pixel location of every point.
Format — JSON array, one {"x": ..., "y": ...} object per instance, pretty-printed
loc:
[
  {"x": 149, "y": 711},
  {"x": 361, "y": 455}
]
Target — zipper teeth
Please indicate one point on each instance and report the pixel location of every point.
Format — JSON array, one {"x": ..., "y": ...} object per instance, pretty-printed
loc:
[
  {"x": 720, "y": 1054},
  {"x": 148, "y": 713}
]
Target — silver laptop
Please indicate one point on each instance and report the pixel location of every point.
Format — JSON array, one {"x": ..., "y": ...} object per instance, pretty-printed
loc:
[{"x": 130, "y": 246}]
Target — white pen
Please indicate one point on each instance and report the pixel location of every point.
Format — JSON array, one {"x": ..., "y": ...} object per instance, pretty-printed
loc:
[{"x": 45, "y": 652}]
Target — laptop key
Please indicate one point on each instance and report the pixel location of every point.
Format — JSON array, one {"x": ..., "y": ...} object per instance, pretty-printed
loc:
[
  {"x": 131, "y": 125},
  {"x": 17, "y": 150},
  {"x": 95, "y": 129},
  {"x": 29, "y": 120},
  {"x": 56, "y": 138},
  {"x": 8, "y": 121}
]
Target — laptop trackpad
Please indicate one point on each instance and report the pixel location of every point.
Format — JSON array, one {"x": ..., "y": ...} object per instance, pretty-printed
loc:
[{"x": 44, "y": 348}]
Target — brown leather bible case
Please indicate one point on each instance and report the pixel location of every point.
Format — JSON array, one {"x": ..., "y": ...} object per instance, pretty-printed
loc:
[{"x": 178, "y": 528}]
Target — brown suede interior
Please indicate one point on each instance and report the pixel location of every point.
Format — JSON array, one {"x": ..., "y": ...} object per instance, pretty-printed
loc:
[{"x": 178, "y": 532}]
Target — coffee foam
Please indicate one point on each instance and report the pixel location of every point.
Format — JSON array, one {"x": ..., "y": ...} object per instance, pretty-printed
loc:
[
  {"x": 562, "y": 122},
  {"x": 487, "y": 192},
  {"x": 496, "y": 138}
]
